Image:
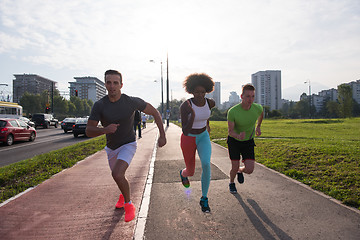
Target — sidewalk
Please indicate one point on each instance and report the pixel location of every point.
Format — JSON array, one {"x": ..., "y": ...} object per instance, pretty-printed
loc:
[
  {"x": 78, "y": 203},
  {"x": 268, "y": 205}
]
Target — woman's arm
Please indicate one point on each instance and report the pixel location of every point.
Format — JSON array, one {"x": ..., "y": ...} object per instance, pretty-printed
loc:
[{"x": 186, "y": 122}]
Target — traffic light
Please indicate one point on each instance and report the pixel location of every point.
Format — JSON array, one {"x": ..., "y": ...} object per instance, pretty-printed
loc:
[
  {"x": 47, "y": 110},
  {"x": 76, "y": 93}
]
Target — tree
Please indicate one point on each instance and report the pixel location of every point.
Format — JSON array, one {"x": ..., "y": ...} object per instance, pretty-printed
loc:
[
  {"x": 356, "y": 109},
  {"x": 60, "y": 105},
  {"x": 274, "y": 114},
  {"x": 345, "y": 100},
  {"x": 217, "y": 115},
  {"x": 31, "y": 103},
  {"x": 333, "y": 109},
  {"x": 302, "y": 108}
]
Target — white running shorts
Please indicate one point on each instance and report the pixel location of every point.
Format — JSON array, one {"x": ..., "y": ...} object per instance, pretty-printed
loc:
[{"x": 125, "y": 152}]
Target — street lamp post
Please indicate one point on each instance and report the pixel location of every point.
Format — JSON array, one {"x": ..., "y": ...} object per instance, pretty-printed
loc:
[
  {"x": 308, "y": 81},
  {"x": 167, "y": 91},
  {"x": 162, "y": 91}
]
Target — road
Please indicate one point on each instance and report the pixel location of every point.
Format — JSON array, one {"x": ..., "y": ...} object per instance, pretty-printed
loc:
[{"x": 46, "y": 140}]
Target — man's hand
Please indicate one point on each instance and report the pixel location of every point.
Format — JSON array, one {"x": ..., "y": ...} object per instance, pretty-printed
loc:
[
  {"x": 162, "y": 141},
  {"x": 258, "y": 131},
  {"x": 242, "y": 135},
  {"x": 111, "y": 128}
]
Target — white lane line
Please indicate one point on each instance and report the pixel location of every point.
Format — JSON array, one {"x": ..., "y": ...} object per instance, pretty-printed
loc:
[
  {"x": 144, "y": 208},
  {"x": 29, "y": 144}
]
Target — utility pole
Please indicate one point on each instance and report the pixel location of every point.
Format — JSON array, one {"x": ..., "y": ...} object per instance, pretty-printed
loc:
[
  {"x": 308, "y": 81},
  {"x": 167, "y": 91}
]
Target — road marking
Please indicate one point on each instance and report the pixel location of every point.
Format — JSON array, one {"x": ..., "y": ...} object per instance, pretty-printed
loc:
[
  {"x": 144, "y": 207},
  {"x": 29, "y": 144}
]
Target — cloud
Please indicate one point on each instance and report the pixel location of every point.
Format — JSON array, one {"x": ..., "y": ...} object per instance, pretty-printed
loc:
[{"x": 229, "y": 40}]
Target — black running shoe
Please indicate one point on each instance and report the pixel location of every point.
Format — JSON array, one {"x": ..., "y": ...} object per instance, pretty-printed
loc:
[
  {"x": 204, "y": 204},
  {"x": 240, "y": 177},
  {"x": 232, "y": 188},
  {"x": 185, "y": 181}
]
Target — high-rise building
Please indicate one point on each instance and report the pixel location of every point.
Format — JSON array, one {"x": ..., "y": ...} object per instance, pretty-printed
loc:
[
  {"x": 31, "y": 83},
  {"x": 234, "y": 98},
  {"x": 355, "y": 86},
  {"x": 88, "y": 88},
  {"x": 267, "y": 88},
  {"x": 216, "y": 94}
]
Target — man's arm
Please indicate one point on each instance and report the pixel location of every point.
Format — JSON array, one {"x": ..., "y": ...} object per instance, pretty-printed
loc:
[
  {"x": 150, "y": 110},
  {"x": 92, "y": 129},
  {"x": 259, "y": 121},
  {"x": 232, "y": 133}
]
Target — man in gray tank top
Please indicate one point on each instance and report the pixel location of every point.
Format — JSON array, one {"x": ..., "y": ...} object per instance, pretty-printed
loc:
[{"x": 116, "y": 113}]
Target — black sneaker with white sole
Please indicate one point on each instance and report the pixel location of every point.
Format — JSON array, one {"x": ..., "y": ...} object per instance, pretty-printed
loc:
[
  {"x": 204, "y": 203},
  {"x": 232, "y": 188},
  {"x": 240, "y": 177}
]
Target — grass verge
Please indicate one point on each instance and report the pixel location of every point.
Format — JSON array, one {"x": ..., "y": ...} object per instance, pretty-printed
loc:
[
  {"x": 17, "y": 177},
  {"x": 322, "y": 153}
]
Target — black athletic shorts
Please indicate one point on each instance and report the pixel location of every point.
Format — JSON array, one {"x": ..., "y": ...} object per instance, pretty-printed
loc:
[{"x": 243, "y": 148}]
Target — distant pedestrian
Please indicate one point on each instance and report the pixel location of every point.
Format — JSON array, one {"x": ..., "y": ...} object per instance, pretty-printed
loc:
[
  {"x": 116, "y": 113},
  {"x": 241, "y": 128},
  {"x": 137, "y": 122},
  {"x": 195, "y": 113},
  {"x": 144, "y": 119}
]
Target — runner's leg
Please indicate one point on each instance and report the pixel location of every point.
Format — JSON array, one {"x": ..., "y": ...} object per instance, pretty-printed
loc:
[
  {"x": 188, "y": 147},
  {"x": 235, "y": 164},
  {"x": 249, "y": 165},
  {"x": 118, "y": 174},
  {"x": 204, "y": 150}
]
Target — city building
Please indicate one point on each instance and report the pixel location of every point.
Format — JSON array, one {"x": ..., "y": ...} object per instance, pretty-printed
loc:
[
  {"x": 355, "y": 85},
  {"x": 330, "y": 94},
  {"x": 234, "y": 98},
  {"x": 31, "y": 83},
  {"x": 216, "y": 94},
  {"x": 88, "y": 88},
  {"x": 268, "y": 88}
]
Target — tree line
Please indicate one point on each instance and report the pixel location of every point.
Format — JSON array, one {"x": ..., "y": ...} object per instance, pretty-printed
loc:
[
  {"x": 37, "y": 103},
  {"x": 345, "y": 106}
]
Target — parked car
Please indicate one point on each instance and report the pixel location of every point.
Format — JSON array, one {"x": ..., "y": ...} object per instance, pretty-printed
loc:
[
  {"x": 67, "y": 124},
  {"x": 80, "y": 126},
  {"x": 27, "y": 121},
  {"x": 12, "y": 130},
  {"x": 44, "y": 120}
]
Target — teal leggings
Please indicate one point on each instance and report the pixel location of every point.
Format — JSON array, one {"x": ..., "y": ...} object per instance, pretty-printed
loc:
[{"x": 200, "y": 142}]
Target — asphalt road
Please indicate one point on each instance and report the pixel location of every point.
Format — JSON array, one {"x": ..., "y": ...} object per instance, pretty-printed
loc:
[{"x": 46, "y": 140}]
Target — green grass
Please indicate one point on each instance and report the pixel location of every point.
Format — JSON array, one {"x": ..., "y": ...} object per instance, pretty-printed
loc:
[
  {"x": 17, "y": 177},
  {"x": 323, "y": 153}
]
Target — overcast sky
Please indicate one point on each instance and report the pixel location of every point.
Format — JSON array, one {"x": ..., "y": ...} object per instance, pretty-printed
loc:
[{"x": 229, "y": 40}]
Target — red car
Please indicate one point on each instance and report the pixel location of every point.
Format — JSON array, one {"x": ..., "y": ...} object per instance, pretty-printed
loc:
[{"x": 12, "y": 130}]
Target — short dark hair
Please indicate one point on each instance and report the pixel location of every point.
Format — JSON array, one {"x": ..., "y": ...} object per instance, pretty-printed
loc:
[
  {"x": 198, "y": 79},
  {"x": 248, "y": 87},
  {"x": 113, "y": 72}
]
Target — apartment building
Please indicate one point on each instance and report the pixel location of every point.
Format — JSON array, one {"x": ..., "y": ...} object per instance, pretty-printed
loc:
[
  {"x": 216, "y": 94},
  {"x": 31, "y": 83},
  {"x": 268, "y": 88},
  {"x": 88, "y": 88}
]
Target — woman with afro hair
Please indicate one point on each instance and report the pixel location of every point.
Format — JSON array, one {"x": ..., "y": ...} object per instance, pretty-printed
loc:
[{"x": 195, "y": 113}]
